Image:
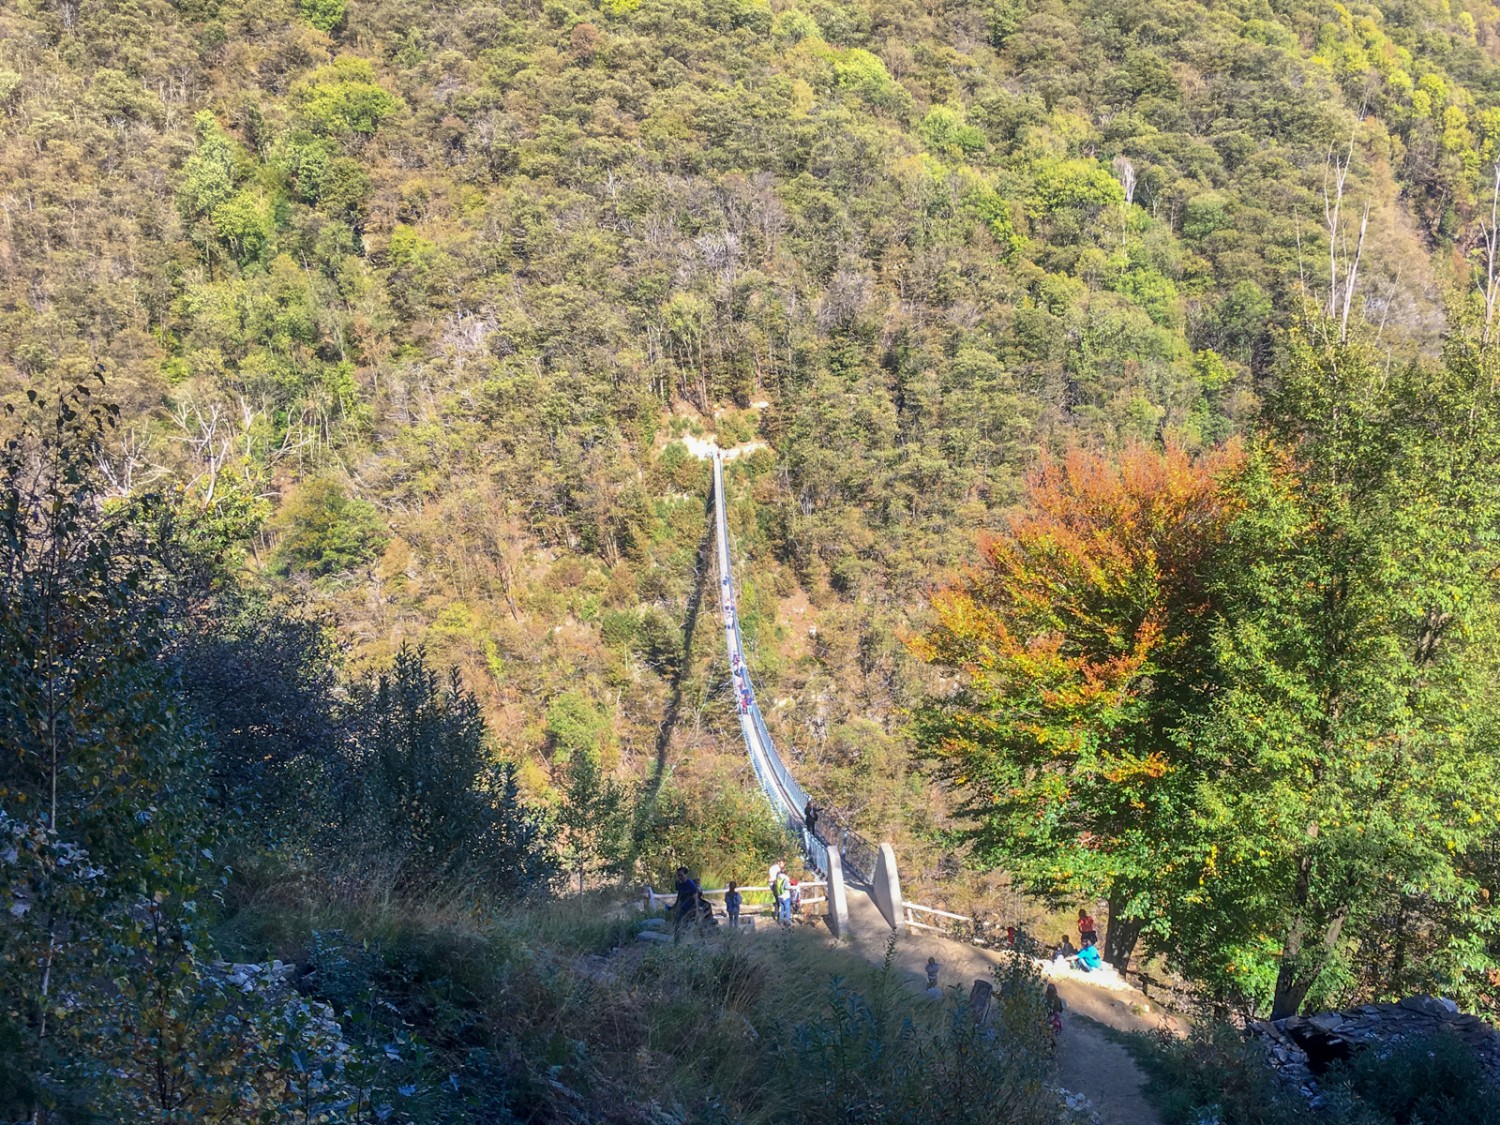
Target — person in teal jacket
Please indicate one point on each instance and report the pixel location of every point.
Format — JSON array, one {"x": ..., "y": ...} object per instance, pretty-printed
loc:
[{"x": 1088, "y": 959}]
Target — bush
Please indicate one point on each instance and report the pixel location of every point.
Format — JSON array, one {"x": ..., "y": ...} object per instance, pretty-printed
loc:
[
  {"x": 1436, "y": 1078},
  {"x": 955, "y": 1070},
  {"x": 1215, "y": 1069},
  {"x": 421, "y": 795},
  {"x": 1219, "y": 1073}
]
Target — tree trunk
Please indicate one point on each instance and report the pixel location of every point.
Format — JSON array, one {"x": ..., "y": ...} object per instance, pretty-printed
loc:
[
  {"x": 1297, "y": 974},
  {"x": 1120, "y": 935}
]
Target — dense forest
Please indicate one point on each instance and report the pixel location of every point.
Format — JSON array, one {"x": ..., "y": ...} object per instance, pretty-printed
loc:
[{"x": 1116, "y": 511}]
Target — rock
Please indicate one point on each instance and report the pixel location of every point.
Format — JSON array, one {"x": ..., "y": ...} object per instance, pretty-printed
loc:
[
  {"x": 653, "y": 935},
  {"x": 1299, "y": 1048},
  {"x": 653, "y": 924}
]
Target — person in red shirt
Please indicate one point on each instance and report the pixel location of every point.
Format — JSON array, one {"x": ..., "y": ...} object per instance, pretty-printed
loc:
[{"x": 1087, "y": 931}]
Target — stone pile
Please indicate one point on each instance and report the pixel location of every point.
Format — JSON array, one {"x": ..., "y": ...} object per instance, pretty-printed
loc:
[
  {"x": 252, "y": 976},
  {"x": 1301, "y": 1048}
]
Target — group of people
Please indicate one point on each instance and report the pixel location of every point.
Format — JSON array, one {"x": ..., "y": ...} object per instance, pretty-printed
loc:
[
  {"x": 692, "y": 906},
  {"x": 1085, "y": 956}
]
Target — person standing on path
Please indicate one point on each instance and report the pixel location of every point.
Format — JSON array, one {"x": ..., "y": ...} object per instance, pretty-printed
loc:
[
  {"x": 1055, "y": 1006},
  {"x": 781, "y": 890},
  {"x": 732, "y": 900},
  {"x": 1088, "y": 933},
  {"x": 687, "y": 901}
]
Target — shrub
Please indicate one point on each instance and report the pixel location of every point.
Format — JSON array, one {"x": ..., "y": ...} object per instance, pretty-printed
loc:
[
  {"x": 1215, "y": 1069},
  {"x": 326, "y": 532},
  {"x": 1428, "y": 1079}
]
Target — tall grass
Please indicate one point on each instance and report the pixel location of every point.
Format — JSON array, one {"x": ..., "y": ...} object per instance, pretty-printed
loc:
[{"x": 554, "y": 1010}]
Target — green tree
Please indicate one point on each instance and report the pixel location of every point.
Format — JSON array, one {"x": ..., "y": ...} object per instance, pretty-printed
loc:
[
  {"x": 593, "y": 821},
  {"x": 422, "y": 795},
  {"x": 343, "y": 99},
  {"x": 325, "y": 532},
  {"x": 1351, "y": 785}
]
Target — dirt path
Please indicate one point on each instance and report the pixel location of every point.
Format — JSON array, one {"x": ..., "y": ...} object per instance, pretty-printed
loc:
[{"x": 1089, "y": 1062}]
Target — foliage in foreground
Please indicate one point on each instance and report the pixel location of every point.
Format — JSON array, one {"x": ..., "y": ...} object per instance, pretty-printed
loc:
[
  {"x": 1217, "y": 1075},
  {"x": 552, "y": 1012}
]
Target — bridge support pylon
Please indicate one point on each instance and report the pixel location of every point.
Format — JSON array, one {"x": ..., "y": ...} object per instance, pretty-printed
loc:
[
  {"x": 887, "y": 888},
  {"x": 838, "y": 898}
]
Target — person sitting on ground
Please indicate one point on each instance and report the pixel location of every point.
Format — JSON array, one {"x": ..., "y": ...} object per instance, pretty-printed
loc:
[
  {"x": 1087, "y": 932},
  {"x": 1065, "y": 949},
  {"x": 732, "y": 900},
  {"x": 1088, "y": 959},
  {"x": 687, "y": 899}
]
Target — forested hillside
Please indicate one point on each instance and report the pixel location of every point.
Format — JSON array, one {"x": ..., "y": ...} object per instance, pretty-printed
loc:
[{"x": 408, "y": 309}]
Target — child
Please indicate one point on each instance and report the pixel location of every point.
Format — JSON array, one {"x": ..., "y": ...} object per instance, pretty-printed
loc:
[
  {"x": 1087, "y": 932},
  {"x": 1065, "y": 950},
  {"x": 1055, "y": 1006},
  {"x": 781, "y": 891},
  {"x": 732, "y": 904},
  {"x": 932, "y": 972}
]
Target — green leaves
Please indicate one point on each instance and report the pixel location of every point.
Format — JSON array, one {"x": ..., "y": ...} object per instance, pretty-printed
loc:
[
  {"x": 343, "y": 100},
  {"x": 327, "y": 533}
]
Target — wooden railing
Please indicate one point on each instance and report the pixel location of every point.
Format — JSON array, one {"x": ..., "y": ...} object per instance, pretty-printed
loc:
[
  {"x": 955, "y": 921},
  {"x": 652, "y": 902}
]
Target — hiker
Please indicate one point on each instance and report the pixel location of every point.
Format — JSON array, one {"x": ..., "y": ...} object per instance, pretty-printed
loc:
[
  {"x": 776, "y": 867},
  {"x": 781, "y": 891},
  {"x": 1065, "y": 950},
  {"x": 932, "y": 972},
  {"x": 796, "y": 898},
  {"x": 732, "y": 900},
  {"x": 688, "y": 895},
  {"x": 1055, "y": 1006},
  {"x": 810, "y": 818},
  {"x": 1088, "y": 959},
  {"x": 1087, "y": 932}
]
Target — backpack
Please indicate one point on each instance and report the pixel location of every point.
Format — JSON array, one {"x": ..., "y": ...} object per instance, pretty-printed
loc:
[{"x": 782, "y": 887}]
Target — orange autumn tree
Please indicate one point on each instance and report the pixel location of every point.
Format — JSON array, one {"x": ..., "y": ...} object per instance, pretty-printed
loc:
[{"x": 1079, "y": 644}]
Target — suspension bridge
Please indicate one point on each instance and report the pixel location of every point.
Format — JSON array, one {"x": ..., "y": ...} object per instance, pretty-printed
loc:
[{"x": 833, "y": 848}]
